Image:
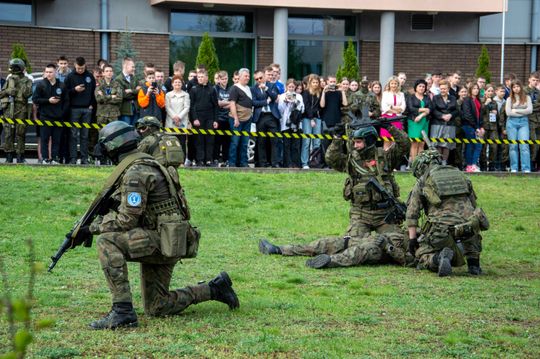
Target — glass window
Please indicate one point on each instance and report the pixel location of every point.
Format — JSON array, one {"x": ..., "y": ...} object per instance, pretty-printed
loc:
[
  {"x": 314, "y": 56},
  {"x": 322, "y": 26},
  {"x": 15, "y": 11},
  {"x": 185, "y": 48},
  {"x": 211, "y": 22}
]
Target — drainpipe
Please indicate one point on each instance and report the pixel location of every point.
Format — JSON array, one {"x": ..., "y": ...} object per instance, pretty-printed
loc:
[
  {"x": 104, "y": 35},
  {"x": 534, "y": 34}
]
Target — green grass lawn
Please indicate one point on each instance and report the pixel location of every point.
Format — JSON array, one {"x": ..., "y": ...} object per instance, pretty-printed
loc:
[{"x": 287, "y": 310}]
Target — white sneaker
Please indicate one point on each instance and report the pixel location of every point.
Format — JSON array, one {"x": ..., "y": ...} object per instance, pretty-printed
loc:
[
  {"x": 476, "y": 168},
  {"x": 306, "y": 167},
  {"x": 513, "y": 171},
  {"x": 53, "y": 162},
  {"x": 187, "y": 163},
  {"x": 527, "y": 171}
]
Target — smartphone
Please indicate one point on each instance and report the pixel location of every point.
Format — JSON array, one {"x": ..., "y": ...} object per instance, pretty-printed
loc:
[{"x": 154, "y": 84}]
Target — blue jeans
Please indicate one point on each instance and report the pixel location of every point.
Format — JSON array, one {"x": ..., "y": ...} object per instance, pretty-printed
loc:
[
  {"x": 307, "y": 129},
  {"x": 130, "y": 120},
  {"x": 517, "y": 128},
  {"x": 239, "y": 143},
  {"x": 472, "y": 150}
]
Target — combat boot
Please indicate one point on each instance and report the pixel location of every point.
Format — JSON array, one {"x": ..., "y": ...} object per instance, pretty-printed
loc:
[
  {"x": 318, "y": 262},
  {"x": 474, "y": 266},
  {"x": 9, "y": 157},
  {"x": 222, "y": 291},
  {"x": 445, "y": 262},
  {"x": 121, "y": 315},
  {"x": 20, "y": 159},
  {"x": 266, "y": 247}
]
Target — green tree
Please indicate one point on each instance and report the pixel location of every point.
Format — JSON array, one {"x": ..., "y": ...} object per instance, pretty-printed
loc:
[
  {"x": 350, "y": 68},
  {"x": 483, "y": 65},
  {"x": 207, "y": 56},
  {"x": 19, "y": 52},
  {"x": 126, "y": 49}
]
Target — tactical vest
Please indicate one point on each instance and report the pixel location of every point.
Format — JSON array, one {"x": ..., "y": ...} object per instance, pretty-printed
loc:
[
  {"x": 167, "y": 150},
  {"x": 355, "y": 188},
  {"x": 444, "y": 181}
]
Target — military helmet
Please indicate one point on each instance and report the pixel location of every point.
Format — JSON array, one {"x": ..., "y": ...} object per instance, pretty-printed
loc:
[
  {"x": 148, "y": 121},
  {"x": 368, "y": 134},
  {"x": 16, "y": 65},
  {"x": 423, "y": 160},
  {"x": 116, "y": 138}
]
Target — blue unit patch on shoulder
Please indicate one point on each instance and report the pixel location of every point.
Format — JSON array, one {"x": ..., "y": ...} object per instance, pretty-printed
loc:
[{"x": 134, "y": 199}]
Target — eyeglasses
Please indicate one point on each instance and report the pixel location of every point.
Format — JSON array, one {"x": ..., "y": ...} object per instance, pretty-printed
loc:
[{"x": 258, "y": 78}]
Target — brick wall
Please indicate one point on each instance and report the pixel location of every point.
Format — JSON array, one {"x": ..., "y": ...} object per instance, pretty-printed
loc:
[
  {"x": 417, "y": 59},
  {"x": 45, "y": 45},
  {"x": 265, "y": 52},
  {"x": 152, "y": 48}
]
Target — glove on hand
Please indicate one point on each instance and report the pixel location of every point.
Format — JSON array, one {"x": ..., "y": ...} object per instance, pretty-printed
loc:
[{"x": 413, "y": 246}]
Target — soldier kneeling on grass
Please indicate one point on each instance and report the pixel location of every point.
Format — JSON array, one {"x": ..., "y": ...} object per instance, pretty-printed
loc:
[
  {"x": 378, "y": 248},
  {"x": 147, "y": 222},
  {"x": 453, "y": 221}
]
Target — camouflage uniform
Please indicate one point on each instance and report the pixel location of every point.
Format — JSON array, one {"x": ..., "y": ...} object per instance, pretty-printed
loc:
[
  {"x": 130, "y": 234},
  {"x": 14, "y": 98},
  {"x": 360, "y": 167},
  {"x": 534, "y": 122},
  {"x": 362, "y": 101},
  {"x": 108, "y": 108},
  {"x": 347, "y": 251},
  {"x": 150, "y": 143},
  {"x": 443, "y": 215}
]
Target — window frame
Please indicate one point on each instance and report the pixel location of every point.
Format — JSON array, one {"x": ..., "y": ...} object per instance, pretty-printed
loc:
[{"x": 19, "y": 22}]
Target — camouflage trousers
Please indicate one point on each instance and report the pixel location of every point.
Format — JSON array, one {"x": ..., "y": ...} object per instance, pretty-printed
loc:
[
  {"x": 364, "y": 220},
  {"x": 14, "y": 133},
  {"x": 350, "y": 251},
  {"x": 437, "y": 238},
  {"x": 115, "y": 249},
  {"x": 343, "y": 251}
]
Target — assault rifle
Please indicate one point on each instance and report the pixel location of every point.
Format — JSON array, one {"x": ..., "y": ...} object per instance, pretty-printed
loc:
[
  {"x": 100, "y": 206},
  {"x": 341, "y": 129},
  {"x": 397, "y": 214}
]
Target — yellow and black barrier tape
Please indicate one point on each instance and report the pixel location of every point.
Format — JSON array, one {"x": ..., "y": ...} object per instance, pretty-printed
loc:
[{"x": 212, "y": 132}]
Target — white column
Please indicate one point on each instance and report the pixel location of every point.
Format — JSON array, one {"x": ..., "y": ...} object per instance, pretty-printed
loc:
[
  {"x": 386, "y": 52},
  {"x": 281, "y": 38}
]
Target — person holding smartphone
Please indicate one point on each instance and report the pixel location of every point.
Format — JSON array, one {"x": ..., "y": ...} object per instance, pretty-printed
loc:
[
  {"x": 80, "y": 85},
  {"x": 151, "y": 97},
  {"x": 52, "y": 100}
]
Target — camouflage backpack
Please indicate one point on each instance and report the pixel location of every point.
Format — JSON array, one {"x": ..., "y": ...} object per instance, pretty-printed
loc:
[
  {"x": 444, "y": 181},
  {"x": 167, "y": 150}
]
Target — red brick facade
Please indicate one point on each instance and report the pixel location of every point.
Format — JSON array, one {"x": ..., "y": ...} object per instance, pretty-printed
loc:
[
  {"x": 44, "y": 45},
  {"x": 417, "y": 59}
]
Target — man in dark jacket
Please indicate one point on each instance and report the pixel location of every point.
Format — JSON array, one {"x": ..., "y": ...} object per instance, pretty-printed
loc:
[
  {"x": 53, "y": 103},
  {"x": 204, "y": 115},
  {"x": 80, "y": 85},
  {"x": 266, "y": 115}
]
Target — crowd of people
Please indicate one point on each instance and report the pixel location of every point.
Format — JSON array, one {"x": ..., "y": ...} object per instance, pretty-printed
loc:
[{"x": 441, "y": 105}]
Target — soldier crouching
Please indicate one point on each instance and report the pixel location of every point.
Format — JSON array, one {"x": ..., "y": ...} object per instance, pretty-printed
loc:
[
  {"x": 147, "y": 222},
  {"x": 453, "y": 221}
]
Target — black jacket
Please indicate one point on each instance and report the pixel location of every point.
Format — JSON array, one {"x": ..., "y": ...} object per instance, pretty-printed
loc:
[
  {"x": 204, "y": 102},
  {"x": 80, "y": 99},
  {"x": 43, "y": 92},
  {"x": 312, "y": 105},
  {"x": 441, "y": 107},
  {"x": 468, "y": 116},
  {"x": 413, "y": 105}
]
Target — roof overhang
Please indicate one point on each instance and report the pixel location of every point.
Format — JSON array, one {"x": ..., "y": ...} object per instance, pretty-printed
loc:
[{"x": 476, "y": 6}]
